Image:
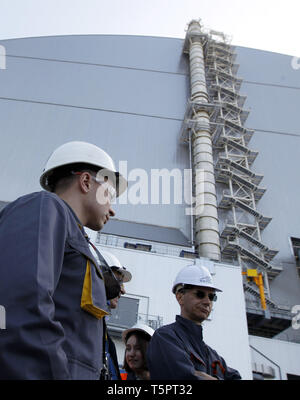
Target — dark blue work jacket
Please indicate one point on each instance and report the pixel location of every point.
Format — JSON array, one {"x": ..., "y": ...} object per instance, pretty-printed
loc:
[
  {"x": 177, "y": 350},
  {"x": 52, "y": 290}
]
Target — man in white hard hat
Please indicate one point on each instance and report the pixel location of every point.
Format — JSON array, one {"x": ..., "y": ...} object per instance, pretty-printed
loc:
[
  {"x": 52, "y": 287},
  {"x": 112, "y": 371},
  {"x": 177, "y": 351}
]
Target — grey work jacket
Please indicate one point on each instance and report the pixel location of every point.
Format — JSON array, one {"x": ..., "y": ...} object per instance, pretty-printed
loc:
[{"x": 52, "y": 290}]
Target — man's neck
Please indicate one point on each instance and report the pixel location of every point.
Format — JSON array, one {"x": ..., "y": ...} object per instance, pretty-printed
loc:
[
  {"x": 75, "y": 205},
  {"x": 189, "y": 319}
]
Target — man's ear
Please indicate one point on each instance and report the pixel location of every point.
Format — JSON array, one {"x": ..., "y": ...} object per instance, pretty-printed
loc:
[
  {"x": 179, "y": 297},
  {"x": 85, "y": 182}
]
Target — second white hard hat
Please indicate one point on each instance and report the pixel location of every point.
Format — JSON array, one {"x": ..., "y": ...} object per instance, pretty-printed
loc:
[
  {"x": 114, "y": 263},
  {"x": 82, "y": 152},
  {"x": 194, "y": 275},
  {"x": 140, "y": 328}
]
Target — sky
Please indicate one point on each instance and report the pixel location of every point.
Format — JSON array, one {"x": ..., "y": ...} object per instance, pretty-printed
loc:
[{"x": 270, "y": 25}]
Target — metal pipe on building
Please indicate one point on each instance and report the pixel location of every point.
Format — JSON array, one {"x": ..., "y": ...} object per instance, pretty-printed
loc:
[{"x": 207, "y": 238}]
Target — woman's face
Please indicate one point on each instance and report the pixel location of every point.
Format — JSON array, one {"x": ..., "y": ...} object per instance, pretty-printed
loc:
[{"x": 133, "y": 354}]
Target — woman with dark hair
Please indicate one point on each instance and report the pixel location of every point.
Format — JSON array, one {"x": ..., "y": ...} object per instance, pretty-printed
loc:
[{"x": 136, "y": 340}]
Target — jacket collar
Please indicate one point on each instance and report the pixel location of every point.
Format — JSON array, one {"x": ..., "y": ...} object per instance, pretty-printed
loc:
[{"x": 191, "y": 327}]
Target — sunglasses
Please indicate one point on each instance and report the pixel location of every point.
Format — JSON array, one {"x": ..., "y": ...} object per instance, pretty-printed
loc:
[{"x": 201, "y": 295}]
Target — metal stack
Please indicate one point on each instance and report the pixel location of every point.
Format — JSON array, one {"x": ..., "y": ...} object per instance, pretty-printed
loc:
[{"x": 198, "y": 118}]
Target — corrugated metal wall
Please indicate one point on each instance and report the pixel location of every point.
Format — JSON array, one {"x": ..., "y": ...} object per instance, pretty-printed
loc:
[{"x": 127, "y": 95}]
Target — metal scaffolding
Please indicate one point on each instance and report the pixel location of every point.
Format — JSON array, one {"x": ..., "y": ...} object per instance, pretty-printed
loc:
[{"x": 237, "y": 186}]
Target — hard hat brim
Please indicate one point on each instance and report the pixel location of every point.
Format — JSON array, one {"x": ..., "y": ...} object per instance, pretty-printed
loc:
[
  {"x": 121, "y": 182},
  {"x": 204, "y": 286},
  {"x": 143, "y": 328},
  {"x": 126, "y": 274}
]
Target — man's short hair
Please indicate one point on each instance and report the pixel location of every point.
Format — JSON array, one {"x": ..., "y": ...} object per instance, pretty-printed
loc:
[{"x": 62, "y": 178}]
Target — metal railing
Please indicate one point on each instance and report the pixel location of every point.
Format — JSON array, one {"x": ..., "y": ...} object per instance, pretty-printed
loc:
[
  {"x": 154, "y": 321},
  {"x": 158, "y": 248}
]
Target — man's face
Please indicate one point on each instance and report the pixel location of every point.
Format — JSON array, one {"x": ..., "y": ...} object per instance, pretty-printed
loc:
[
  {"x": 100, "y": 209},
  {"x": 114, "y": 302},
  {"x": 193, "y": 307}
]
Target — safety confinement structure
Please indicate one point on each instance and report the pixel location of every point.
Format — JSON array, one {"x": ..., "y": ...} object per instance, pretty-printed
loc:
[{"x": 228, "y": 114}]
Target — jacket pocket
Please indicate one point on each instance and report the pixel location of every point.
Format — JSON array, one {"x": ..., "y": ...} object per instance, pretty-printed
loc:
[{"x": 82, "y": 371}]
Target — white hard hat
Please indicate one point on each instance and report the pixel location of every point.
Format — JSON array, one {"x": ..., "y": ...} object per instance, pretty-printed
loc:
[
  {"x": 194, "y": 275},
  {"x": 138, "y": 327},
  {"x": 114, "y": 263},
  {"x": 82, "y": 152}
]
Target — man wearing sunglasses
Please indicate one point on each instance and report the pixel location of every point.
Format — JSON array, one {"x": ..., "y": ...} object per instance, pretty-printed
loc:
[
  {"x": 54, "y": 290},
  {"x": 177, "y": 351}
]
